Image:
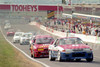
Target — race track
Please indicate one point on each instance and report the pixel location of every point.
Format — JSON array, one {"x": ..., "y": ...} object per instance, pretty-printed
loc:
[{"x": 22, "y": 25}]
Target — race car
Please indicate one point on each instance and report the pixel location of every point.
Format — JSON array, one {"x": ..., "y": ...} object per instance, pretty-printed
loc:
[
  {"x": 25, "y": 38},
  {"x": 7, "y": 26},
  {"x": 10, "y": 32},
  {"x": 39, "y": 45},
  {"x": 16, "y": 38},
  {"x": 70, "y": 48}
]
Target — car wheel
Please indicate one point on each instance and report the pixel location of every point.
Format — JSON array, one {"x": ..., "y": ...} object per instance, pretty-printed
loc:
[
  {"x": 14, "y": 42},
  {"x": 32, "y": 55},
  {"x": 21, "y": 44},
  {"x": 50, "y": 56},
  {"x": 59, "y": 57},
  {"x": 89, "y": 59}
]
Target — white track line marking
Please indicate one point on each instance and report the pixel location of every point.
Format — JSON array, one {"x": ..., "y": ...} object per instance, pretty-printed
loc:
[{"x": 23, "y": 51}]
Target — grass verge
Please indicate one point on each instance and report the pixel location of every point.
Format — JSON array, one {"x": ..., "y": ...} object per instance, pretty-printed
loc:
[
  {"x": 7, "y": 54},
  {"x": 10, "y": 57}
]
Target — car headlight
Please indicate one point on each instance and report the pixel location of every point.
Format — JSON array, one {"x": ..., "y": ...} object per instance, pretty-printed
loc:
[
  {"x": 88, "y": 50},
  {"x": 68, "y": 51}
]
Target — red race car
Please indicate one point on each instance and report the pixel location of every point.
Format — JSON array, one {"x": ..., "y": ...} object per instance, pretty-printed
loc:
[
  {"x": 39, "y": 45},
  {"x": 10, "y": 32}
]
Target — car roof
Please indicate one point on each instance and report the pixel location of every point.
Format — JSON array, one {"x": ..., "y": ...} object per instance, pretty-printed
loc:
[
  {"x": 67, "y": 37},
  {"x": 26, "y": 33}
]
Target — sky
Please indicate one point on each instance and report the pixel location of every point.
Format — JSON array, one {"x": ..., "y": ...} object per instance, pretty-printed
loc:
[{"x": 46, "y": 1}]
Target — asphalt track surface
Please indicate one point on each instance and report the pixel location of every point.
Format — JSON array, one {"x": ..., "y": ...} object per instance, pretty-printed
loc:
[{"x": 22, "y": 25}]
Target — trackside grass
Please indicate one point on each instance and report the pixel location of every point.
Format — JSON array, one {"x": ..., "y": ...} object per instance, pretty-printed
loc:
[
  {"x": 7, "y": 54},
  {"x": 10, "y": 57}
]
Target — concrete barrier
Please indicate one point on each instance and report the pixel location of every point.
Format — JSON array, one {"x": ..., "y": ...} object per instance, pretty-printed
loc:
[{"x": 86, "y": 38}]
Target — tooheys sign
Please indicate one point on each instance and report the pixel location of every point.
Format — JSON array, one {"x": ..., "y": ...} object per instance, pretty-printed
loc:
[{"x": 31, "y": 8}]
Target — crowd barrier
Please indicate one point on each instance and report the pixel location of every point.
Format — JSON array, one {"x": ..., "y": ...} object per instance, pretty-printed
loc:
[{"x": 86, "y": 38}]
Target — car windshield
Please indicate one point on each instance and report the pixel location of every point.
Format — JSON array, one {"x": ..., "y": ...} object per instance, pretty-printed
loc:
[
  {"x": 18, "y": 34},
  {"x": 69, "y": 41},
  {"x": 27, "y": 35},
  {"x": 45, "y": 40}
]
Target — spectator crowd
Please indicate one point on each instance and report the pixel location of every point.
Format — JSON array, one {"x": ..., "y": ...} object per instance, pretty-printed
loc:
[{"x": 74, "y": 27}]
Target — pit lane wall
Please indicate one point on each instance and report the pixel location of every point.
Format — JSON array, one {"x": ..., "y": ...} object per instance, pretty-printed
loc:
[{"x": 86, "y": 38}]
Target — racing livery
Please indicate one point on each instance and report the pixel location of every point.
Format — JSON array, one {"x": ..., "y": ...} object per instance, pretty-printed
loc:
[
  {"x": 10, "y": 32},
  {"x": 25, "y": 38},
  {"x": 16, "y": 38},
  {"x": 70, "y": 48},
  {"x": 39, "y": 45},
  {"x": 7, "y": 26}
]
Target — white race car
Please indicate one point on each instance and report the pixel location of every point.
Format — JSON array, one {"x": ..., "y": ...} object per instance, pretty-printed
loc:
[
  {"x": 7, "y": 26},
  {"x": 70, "y": 48},
  {"x": 25, "y": 38},
  {"x": 17, "y": 36}
]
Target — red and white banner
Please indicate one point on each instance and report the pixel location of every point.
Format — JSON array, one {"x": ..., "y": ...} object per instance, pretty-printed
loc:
[{"x": 33, "y": 8}]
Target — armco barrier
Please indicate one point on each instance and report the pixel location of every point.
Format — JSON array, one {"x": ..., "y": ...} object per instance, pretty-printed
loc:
[{"x": 86, "y": 38}]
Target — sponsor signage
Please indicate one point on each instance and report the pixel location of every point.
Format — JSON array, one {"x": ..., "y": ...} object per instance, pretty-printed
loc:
[
  {"x": 30, "y": 8},
  {"x": 22, "y": 8},
  {"x": 4, "y": 7},
  {"x": 50, "y": 14}
]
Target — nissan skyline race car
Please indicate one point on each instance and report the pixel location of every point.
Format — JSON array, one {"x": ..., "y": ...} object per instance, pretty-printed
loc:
[
  {"x": 70, "y": 48},
  {"x": 17, "y": 36},
  {"x": 25, "y": 38},
  {"x": 39, "y": 45},
  {"x": 10, "y": 32}
]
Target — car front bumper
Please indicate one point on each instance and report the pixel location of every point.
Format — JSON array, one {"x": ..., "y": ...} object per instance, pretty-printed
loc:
[
  {"x": 76, "y": 55},
  {"x": 41, "y": 53}
]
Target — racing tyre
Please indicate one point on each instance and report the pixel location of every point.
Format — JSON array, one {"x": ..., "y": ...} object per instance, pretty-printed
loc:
[
  {"x": 89, "y": 59},
  {"x": 21, "y": 44},
  {"x": 32, "y": 56},
  {"x": 50, "y": 56}
]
